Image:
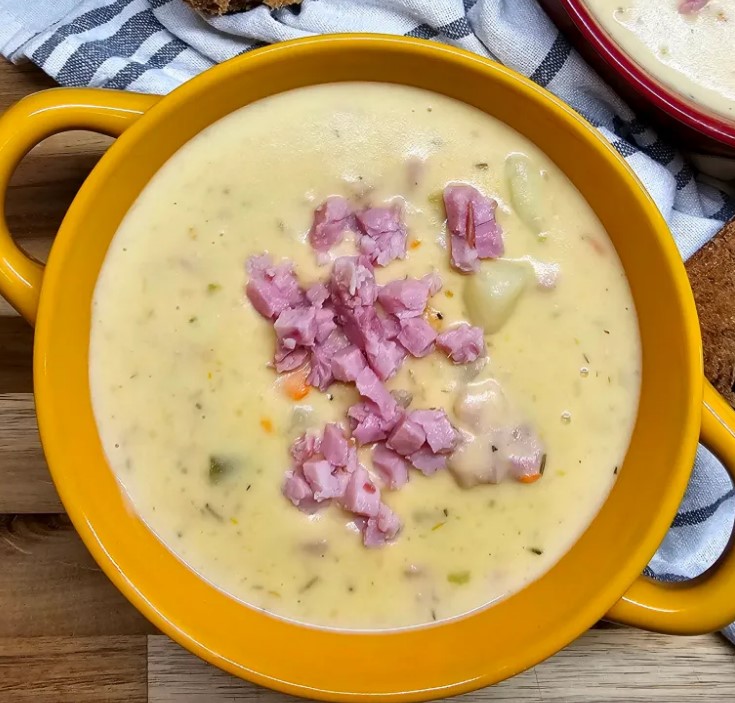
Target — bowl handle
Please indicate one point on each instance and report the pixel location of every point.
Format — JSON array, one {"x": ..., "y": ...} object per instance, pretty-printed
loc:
[
  {"x": 705, "y": 603},
  {"x": 22, "y": 127}
]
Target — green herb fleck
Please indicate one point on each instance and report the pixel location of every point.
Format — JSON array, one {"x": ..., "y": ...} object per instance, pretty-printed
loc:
[
  {"x": 542, "y": 467},
  {"x": 213, "y": 288},
  {"x": 535, "y": 550},
  {"x": 219, "y": 468},
  {"x": 311, "y": 582},
  {"x": 213, "y": 512},
  {"x": 482, "y": 166},
  {"x": 459, "y": 577},
  {"x": 192, "y": 319}
]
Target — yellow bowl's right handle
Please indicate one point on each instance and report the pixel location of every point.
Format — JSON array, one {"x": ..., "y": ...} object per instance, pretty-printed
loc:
[
  {"x": 706, "y": 603},
  {"x": 26, "y": 124}
]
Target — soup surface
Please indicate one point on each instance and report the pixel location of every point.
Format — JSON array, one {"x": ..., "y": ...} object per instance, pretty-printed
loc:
[
  {"x": 685, "y": 44},
  {"x": 197, "y": 424}
]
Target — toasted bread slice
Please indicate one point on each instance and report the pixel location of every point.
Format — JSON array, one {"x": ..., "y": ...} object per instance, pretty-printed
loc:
[
  {"x": 223, "y": 7},
  {"x": 712, "y": 274}
]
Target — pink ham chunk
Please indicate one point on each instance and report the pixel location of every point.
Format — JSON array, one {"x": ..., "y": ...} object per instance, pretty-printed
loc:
[
  {"x": 440, "y": 435},
  {"x": 324, "y": 480},
  {"x": 286, "y": 360},
  {"x": 296, "y": 327},
  {"x": 348, "y": 363},
  {"x": 368, "y": 332},
  {"x": 361, "y": 496},
  {"x": 331, "y": 220},
  {"x": 272, "y": 288},
  {"x": 370, "y": 387},
  {"x": 390, "y": 466},
  {"x": 352, "y": 282},
  {"x": 380, "y": 530},
  {"x": 368, "y": 424},
  {"x": 383, "y": 234},
  {"x": 298, "y": 491},
  {"x": 325, "y": 323},
  {"x": 525, "y": 452},
  {"x": 320, "y": 375},
  {"x": 689, "y": 7},
  {"x": 407, "y": 436},
  {"x": 474, "y": 233},
  {"x": 408, "y": 297},
  {"x": 417, "y": 336},
  {"x": 427, "y": 462},
  {"x": 334, "y": 446},
  {"x": 463, "y": 344}
]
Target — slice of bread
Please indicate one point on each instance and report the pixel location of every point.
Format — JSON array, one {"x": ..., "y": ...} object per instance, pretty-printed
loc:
[
  {"x": 712, "y": 275},
  {"x": 223, "y": 7}
]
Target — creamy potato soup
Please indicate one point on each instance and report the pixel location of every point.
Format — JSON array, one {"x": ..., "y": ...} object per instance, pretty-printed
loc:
[
  {"x": 477, "y": 313},
  {"x": 687, "y": 45}
]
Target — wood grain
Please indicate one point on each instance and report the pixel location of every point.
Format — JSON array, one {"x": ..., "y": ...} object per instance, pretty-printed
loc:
[
  {"x": 50, "y": 585},
  {"x": 616, "y": 664},
  {"x": 73, "y": 669},
  {"x": 24, "y": 477}
]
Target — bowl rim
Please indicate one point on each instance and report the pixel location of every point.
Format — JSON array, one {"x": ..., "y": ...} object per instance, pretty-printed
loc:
[
  {"x": 658, "y": 94},
  {"x": 599, "y": 601}
]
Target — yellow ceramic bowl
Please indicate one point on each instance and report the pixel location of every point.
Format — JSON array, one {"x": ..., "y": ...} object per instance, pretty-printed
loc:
[{"x": 599, "y": 577}]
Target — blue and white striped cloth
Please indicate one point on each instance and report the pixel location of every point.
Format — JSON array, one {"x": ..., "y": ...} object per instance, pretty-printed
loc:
[{"x": 154, "y": 45}]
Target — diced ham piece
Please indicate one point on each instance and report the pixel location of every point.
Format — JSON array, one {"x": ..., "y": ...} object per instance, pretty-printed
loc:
[
  {"x": 295, "y": 486},
  {"x": 382, "y": 529},
  {"x": 404, "y": 298},
  {"x": 440, "y": 435},
  {"x": 369, "y": 425},
  {"x": 325, "y": 323},
  {"x": 474, "y": 233},
  {"x": 304, "y": 448},
  {"x": 525, "y": 453},
  {"x": 289, "y": 359},
  {"x": 272, "y": 288},
  {"x": 320, "y": 376},
  {"x": 324, "y": 480},
  {"x": 317, "y": 294},
  {"x": 383, "y": 234},
  {"x": 427, "y": 462},
  {"x": 352, "y": 282},
  {"x": 296, "y": 327},
  {"x": 361, "y": 496},
  {"x": 298, "y": 491},
  {"x": 334, "y": 446},
  {"x": 348, "y": 363},
  {"x": 331, "y": 220},
  {"x": 689, "y": 7},
  {"x": 390, "y": 466},
  {"x": 417, "y": 336},
  {"x": 407, "y": 436},
  {"x": 385, "y": 357},
  {"x": 462, "y": 343},
  {"x": 370, "y": 387}
]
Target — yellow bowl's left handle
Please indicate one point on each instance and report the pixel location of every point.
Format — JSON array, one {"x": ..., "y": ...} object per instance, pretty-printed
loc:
[{"x": 26, "y": 124}]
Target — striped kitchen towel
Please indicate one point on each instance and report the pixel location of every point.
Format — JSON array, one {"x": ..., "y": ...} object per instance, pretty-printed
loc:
[{"x": 154, "y": 45}]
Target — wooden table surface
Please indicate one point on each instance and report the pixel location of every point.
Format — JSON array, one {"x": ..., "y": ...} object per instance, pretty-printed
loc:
[{"x": 66, "y": 634}]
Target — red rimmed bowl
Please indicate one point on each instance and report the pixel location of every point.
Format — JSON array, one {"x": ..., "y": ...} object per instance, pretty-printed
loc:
[{"x": 690, "y": 125}]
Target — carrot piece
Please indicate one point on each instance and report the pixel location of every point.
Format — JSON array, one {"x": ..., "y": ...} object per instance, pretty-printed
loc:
[
  {"x": 266, "y": 424},
  {"x": 295, "y": 386},
  {"x": 529, "y": 479},
  {"x": 415, "y": 244}
]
